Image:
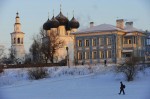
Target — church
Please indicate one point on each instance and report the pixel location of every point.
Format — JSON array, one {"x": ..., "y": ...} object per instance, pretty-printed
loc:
[{"x": 62, "y": 26}]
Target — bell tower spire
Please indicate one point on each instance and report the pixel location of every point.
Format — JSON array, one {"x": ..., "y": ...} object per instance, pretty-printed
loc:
[{"x": 17, "y": 25}]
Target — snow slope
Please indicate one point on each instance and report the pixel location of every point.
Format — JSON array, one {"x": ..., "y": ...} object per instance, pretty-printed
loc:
[{"x": 74, "y": 83}]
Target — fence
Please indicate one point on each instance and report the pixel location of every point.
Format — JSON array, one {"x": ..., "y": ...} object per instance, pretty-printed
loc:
[{"x": 31, "y": 65}]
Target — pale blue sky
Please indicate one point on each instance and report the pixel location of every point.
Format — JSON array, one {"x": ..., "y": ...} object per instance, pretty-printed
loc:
[{"x": 33, "y": 13}]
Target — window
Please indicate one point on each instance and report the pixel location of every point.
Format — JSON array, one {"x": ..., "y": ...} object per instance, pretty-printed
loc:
[
  {"x": 79, "y": 43},
  {"x": 87, "y": 55},
  {"x": 129, "y": 41},
  {"x": 109, "y": 54},
  {"x": 14, "y": 40},
  {"x": 101, "y": 41},
  {"x": 148, "y": 41},
  {"x": 108, "y": 41},
  {"x": 102, "y": 54},
  {"x": 87, "y": 43},
  {"x": 94, "y": 42},
  {"x": 79, "y": 56},
  {"x": 94, "y": 55},
  {"x": 125, "y": 41},
  {"x": 18, "y": 40}
]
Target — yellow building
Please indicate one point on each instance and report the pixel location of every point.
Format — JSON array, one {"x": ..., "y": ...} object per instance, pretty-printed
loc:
[{"x": 108, "y": 42}]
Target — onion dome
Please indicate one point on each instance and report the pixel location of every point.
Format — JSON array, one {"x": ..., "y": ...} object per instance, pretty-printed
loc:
[
  {"x": 74, "y": 23},
  {"x": 47, "y": 25},
  {"x": 62, "y": 19},
  {"x": 54, "y": 22}
]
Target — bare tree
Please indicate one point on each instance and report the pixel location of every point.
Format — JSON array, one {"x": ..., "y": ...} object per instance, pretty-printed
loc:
[
  {"x": 12, "y": 56},
  {"x": 129, "y": 67},
  {"x": 42, "y": 32},
  {"x": 51, "y": 44},
  {"x": 35, "y": 49},
  {"x": 1, "y": 52}
]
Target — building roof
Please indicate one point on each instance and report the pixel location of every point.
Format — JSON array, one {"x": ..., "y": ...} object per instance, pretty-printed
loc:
[
  {"x": 132, "y": 29},
  {"x": 99, "y": 28},
  {"x": 107, "y": 27}
]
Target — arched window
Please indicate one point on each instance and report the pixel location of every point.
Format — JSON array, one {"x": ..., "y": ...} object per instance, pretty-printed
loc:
[
  {"x": 18, "y": 40},
  {"x": 14, "y": 40},
  {"x": 21, "y": 40}
]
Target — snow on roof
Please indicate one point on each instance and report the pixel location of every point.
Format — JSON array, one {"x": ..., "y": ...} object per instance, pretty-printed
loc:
[
  {"x": 99, "y": 28},
  {"x": 132, "y": 29},
  {"x": 129, "y": 34}
]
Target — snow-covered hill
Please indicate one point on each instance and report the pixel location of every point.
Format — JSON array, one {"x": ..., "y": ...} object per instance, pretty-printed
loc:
[{"x": 82, "y": 82}]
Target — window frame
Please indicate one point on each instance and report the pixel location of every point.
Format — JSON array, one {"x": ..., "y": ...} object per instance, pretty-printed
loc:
[
  {"x": 80, "y": 56},
  {"x": 109, "y": 53},
  {"x": 101, "y": 41},
  {"x": 94, "y": 42},
  {"x": 101, "y": 54},
  {"x": 87, "y": 43},
  {"x": 87, "y": 56},
  {"x": 109, "y": 41},
  {"x": 79, "y": 43},
  {"x": 94, "y": 54}
]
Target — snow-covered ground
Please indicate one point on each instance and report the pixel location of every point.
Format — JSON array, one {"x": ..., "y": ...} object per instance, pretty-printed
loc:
[{"x": 81, "y": 82}]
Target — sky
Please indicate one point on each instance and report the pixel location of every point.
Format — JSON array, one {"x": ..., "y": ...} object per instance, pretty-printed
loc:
[{"x": 34, "y": 13}]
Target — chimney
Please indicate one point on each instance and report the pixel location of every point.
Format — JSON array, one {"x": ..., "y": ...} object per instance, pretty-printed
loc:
[
  {"x": 120, "y": 23},
  {"x": 129, "y": 24},
  {"x": 91, "y": 24}
]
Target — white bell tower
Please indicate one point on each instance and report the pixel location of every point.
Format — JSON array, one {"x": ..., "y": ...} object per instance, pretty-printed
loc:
[{"x": 17, "y": 42}]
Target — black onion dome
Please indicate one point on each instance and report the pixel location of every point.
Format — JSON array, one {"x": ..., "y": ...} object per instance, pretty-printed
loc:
[
  {"x": 54, "y": 22},
  {"x": 62, "y": 19},
  {"x": 74, "y": 23},
  {"x": 47, "y": 25}
]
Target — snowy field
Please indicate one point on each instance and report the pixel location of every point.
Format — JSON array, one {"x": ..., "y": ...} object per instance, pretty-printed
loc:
[{"x": 80, "y": 82}]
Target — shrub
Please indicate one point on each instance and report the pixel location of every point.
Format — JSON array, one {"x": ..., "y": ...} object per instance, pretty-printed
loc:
[
  {"x": 1, "y": 70},
  {"x": 37, "y": 73}
]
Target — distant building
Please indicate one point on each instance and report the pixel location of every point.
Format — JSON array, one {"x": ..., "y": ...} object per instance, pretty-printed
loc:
[
  {"x": 17, "y": 42},
  {"x": 107, "y": 42},
  {"x": 63, "y": 27},
  {"x": 148, "y": 46}
]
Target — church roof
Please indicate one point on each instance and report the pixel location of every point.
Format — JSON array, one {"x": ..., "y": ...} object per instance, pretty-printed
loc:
[
  {"x": 63, "y": 20},
  {"x": 74, "y": 23}
]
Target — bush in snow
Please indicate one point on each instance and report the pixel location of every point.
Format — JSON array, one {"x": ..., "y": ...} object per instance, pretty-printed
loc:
[
  {"x": 37, "y": 73},
  {"x": 129, "y": 68},
  {"x": 1, "y": 70}
]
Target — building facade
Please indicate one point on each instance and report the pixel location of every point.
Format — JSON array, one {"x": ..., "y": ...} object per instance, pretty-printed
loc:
[
  {"x": 107, "y": 42},
  {"x": 17, "y": 42},
  {"x": 148, "y": 46}
]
